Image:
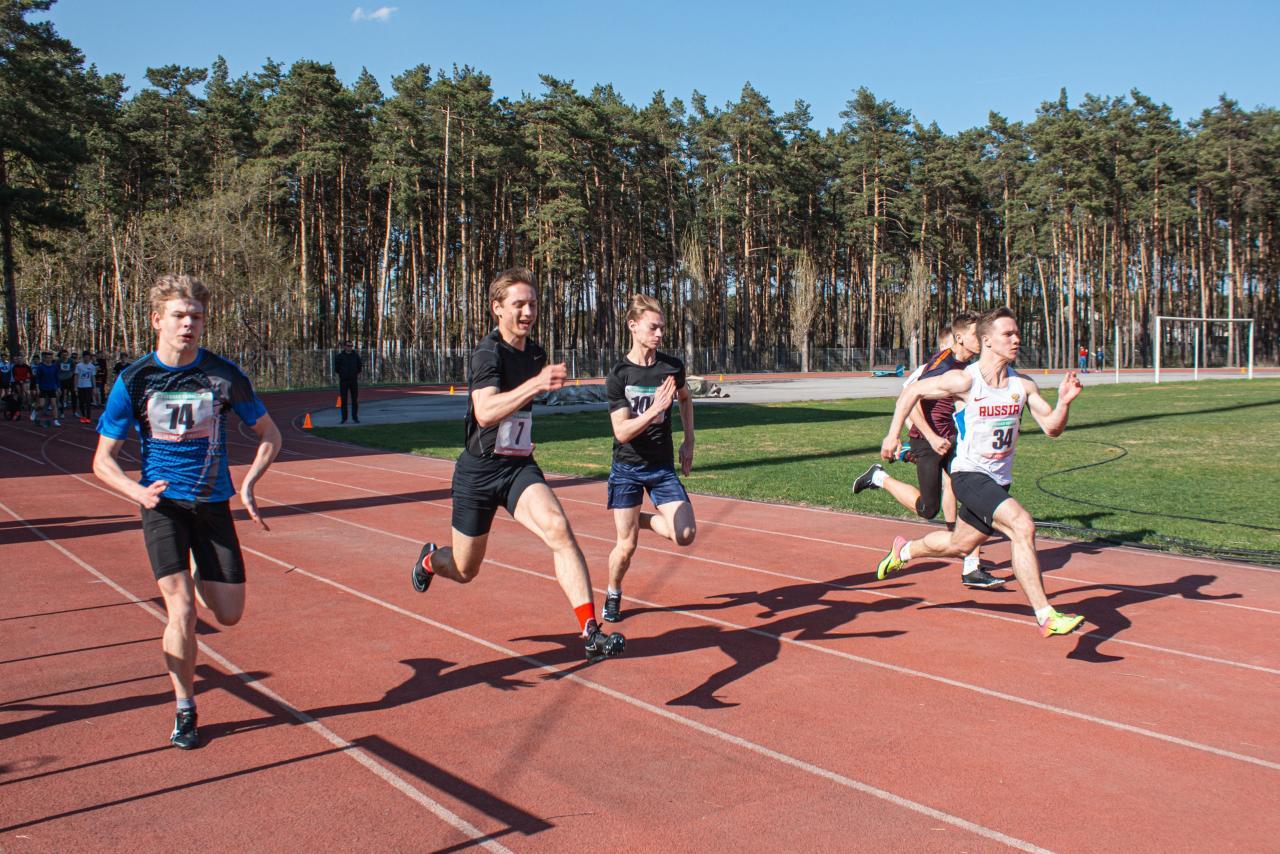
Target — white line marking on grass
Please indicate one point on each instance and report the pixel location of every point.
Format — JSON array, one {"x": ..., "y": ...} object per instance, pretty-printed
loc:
[{"x": 444, "y": 507}]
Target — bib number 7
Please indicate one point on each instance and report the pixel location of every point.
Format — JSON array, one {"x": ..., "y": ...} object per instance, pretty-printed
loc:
[{"x": 515, "y": 435}]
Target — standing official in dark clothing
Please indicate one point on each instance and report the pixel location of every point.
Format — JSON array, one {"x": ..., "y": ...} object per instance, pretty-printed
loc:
[{"x": 347, "y": 365}]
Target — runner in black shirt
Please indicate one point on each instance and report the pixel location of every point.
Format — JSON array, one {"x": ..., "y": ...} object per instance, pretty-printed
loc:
[
  {"x": 496, "y": 469},
  {"x": 641, "y": 388},
  {"x": 347, "y": 364}
]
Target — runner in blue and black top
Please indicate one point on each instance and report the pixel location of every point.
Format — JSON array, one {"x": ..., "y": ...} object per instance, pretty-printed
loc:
[
  {"x": 177, "y": 399},
  {"x": 180, "y": 413}
]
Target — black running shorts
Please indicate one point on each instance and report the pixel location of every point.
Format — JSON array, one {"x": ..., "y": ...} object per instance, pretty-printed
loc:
[
  {"x": 483, "y": 484},
  {"x": 979, "y": 496},
  {"x": 176, "y": 529},
  {"x": 929, "y": 469}
]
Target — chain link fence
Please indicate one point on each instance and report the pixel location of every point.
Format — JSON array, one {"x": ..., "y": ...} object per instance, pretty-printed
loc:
[{"x": 297, "y": 369}]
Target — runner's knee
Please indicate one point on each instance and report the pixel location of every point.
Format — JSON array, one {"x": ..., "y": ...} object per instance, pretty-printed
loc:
[
  {"x": 928, "y": 506},
  {"x": 627, "y": 544},
  {"x": 182, "y": 616},
  {"x": 556, "y": 532},
  {"x": 1023, "y": 527}
]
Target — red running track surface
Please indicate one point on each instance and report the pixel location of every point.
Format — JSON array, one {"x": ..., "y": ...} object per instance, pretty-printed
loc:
[{"x": 774, "y": 695}]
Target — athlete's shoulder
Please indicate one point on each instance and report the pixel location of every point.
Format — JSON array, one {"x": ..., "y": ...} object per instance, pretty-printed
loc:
[
  {"x": 489, "y": 343},
  {"x": 669, "y": 360},
  {"x": 212, "y": 363}
]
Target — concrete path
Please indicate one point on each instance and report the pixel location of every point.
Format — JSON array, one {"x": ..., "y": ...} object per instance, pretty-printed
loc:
[{"x": 396, "y": 406}]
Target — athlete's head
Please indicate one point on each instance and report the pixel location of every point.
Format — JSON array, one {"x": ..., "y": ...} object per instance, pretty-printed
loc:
[
  {"x": 998, "y": 331},
  {"x": 964, "y": 335},
  {"x": 177, "y": 311},
  {"x": 646, "y": 322},
  {"x": 513, "y": 298},
  {"x": 346, "y": 346},
  {"x": 86, "y": 356},
  {"x": 944, "y": 338}
]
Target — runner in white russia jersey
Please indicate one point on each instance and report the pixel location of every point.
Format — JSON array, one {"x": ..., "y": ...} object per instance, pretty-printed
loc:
[{"x": 987, "y": 426}]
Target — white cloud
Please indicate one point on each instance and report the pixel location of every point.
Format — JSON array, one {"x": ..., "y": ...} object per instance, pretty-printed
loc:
[{"x": 382, "y": 14}]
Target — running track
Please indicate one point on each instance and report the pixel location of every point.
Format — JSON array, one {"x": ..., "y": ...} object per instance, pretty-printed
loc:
[{"x": 774, "y": 696}]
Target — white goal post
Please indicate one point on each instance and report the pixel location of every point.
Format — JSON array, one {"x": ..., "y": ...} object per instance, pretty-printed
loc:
[{"x": 1200, "y": 336}]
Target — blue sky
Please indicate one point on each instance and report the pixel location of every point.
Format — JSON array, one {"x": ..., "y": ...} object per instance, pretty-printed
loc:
[{"x": 946, "y": 62}]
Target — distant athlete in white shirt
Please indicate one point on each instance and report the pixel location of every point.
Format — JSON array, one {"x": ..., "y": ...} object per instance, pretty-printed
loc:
[{"x": 990, "y": 397}]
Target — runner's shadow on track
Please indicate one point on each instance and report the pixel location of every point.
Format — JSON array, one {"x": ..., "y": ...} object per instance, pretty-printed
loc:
[
  {"x": 750, "y": 648},
  {"x": 339, "y": 504},
  {"x": 1105, "y": 611},
  {"x": 430, "y": 677},
  {"x": 69, "y": 528},
  {"x": 1058, "y": 555},
  {"x": 433, "y": 676}
]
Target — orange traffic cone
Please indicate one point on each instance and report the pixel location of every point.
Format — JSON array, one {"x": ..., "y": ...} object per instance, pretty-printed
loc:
[
  {"x": 338, "y": 402},
  {"x": 450, "y": 389},
  {"x": 306, "y": 422}
]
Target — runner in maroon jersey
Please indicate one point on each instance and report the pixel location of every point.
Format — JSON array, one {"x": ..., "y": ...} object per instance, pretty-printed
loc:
[{"x": 931, "y": 436}]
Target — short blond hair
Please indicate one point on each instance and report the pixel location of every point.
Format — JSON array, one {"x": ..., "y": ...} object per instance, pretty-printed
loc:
[
  {"x": 504, "y": 280},
  {"x": 177, "y": 286},
  {"x": 640, "y": 303}
]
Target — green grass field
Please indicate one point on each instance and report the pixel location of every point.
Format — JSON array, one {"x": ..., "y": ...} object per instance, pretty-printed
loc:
[{"x": 1188, "y": 466}]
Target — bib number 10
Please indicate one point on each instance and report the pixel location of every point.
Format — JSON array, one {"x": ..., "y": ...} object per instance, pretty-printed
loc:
[{"x": 515, "y": 435}]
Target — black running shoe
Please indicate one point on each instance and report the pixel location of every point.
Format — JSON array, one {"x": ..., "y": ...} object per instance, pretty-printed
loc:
[
  {"x": 420, "y": 577},
  {"x": 980, "y": 579},
  {"x": 612, "y": 607},
  {"x": 864, "y": 479},
  {"x": 185, "y": 734},
  {"x": 600, "y": 645}
]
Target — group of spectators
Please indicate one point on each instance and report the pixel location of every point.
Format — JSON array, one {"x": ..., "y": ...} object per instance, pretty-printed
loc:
[{"x": 54, "y": 384}]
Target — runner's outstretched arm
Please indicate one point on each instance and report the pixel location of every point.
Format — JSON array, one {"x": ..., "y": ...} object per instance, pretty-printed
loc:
[
  {"x": 1053, "y": 419},
  {"x": 269, "y": 443}
]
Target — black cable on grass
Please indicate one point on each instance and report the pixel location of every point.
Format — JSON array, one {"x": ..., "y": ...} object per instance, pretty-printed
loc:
[{"x": 1161, "y": 541}]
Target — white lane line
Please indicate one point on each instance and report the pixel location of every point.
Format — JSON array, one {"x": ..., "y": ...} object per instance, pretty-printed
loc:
[
  {"x": 848, "y": 516},
  {"x": 849, "y": 656},
  {"x": 839, "y": 514},
  {"x": 735, "y": 740},
  {"x": 345, "y": 747},
  {"x": 879, "y": 594},
  {"x": 24, "y": 456},
  {"x": 896, "y": 668},
  {"x": 368, "y": 761}
]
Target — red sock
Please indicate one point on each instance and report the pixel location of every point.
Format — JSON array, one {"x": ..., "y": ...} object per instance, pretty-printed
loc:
[{"x": 585, "y": 614}]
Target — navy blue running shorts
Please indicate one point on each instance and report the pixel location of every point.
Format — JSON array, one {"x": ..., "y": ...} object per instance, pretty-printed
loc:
[{"x": 628, "y": 484}]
